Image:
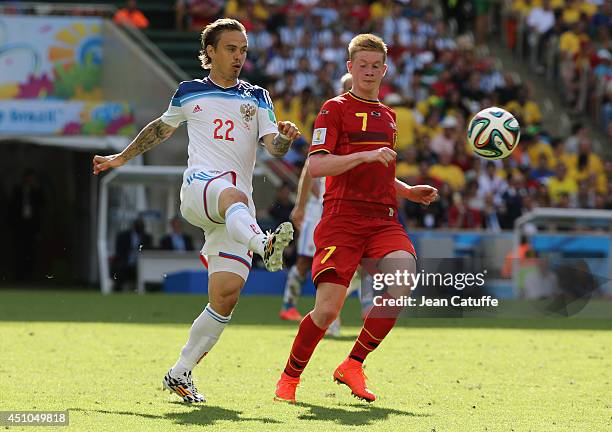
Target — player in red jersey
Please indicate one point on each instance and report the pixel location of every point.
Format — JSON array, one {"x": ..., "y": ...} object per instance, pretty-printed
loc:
[{"x": 352, "y": 146}]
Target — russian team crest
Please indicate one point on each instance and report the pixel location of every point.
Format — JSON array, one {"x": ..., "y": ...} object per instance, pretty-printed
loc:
[{"x": 247, "y": 111}]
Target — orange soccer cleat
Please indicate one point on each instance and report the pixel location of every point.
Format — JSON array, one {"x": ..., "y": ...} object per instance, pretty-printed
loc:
[
  {"x": 285, "y": 388},
  {"x": 291, "y": 314},
  {"x": 350, "y": 373}
]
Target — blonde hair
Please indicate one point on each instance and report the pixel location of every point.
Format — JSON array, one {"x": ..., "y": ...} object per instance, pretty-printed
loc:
[
  {"x": 211, "y": 35},
  {"x": 367, "y": 42}
]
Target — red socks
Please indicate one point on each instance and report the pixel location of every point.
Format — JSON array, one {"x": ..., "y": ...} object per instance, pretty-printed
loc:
[
  {"x": 304, "y": 344},
  {"x": 378, "y": 323}
]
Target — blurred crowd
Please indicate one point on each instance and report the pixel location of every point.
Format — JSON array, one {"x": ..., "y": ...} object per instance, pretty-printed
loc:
[
  {"x": 435, "y": 83},
  {"x": 575, "y": 35}
]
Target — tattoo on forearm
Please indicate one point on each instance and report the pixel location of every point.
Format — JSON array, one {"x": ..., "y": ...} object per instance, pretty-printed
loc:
[
  {"x": 280, "y": 145},
  {"x": 153, "y": 134}
]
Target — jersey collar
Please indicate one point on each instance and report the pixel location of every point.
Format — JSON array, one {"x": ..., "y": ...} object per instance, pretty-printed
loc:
[
  {"x": 209, "y": 79},
  {"x": 376, "y": 102}
]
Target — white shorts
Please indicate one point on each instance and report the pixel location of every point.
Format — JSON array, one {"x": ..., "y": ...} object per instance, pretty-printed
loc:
[
  {"x": 199, "y": 206},
  {"x": 306, "y": 246}
]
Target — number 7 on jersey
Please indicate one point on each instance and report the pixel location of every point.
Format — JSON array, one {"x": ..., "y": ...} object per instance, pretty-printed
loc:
[{"x": 364, "y": 120}]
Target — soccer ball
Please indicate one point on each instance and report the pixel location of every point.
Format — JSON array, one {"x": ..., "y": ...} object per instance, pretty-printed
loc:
[{"x": 493, "y": 133}]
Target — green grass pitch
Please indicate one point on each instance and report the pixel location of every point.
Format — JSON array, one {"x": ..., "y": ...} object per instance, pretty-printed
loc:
[{"x": 103, "y": 359}]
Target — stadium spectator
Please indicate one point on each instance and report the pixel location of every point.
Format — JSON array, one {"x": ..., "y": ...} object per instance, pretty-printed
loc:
[
  {"x": 405, "y": 118},
  {"x": 522, "y": 254},
  {"x": 540, "y": 282},
  {"x": 559, "y": 153},
  {"x": 541, "y": 21},
  {"x": 456, "y": 10},
  {"x": 490, "y": 214},
  {"x": 490, "y": 183},
  {"x": 131, "y": 16},
  {"x": 26, "y": 216},
  {"x": 176, "y": 240},
  {"x": 512, "y": 200},
  {"x": 586, "y": 196},
  {"x": 579, "y": 132},
  {"x": 602, "y": 18},
  {"x": 524, "y": 109},
  {"x": 444, "y": 142},
  {"x": 541, "y": 172},
  {"x": 586, "y": 165},
  {"x": 448, "y": 172},
  {"x": 560, "y": 184},
  {"x": 462, "y": 216},
  {"x": 537, "y": 146},
  {"x": 482, "y": 10},
  {"x": 197, "y": 14},
  {"x": 408, "y": 169},
  {"x": 127, "y": 245}
]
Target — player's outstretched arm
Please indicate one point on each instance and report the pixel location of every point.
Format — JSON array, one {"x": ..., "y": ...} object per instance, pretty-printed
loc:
[
  {"x": 324, "y": 165},
  {"x": 151, "y": 135},
  {"x": 422, "y": 194},
  {"x": 278, "y": 144}
]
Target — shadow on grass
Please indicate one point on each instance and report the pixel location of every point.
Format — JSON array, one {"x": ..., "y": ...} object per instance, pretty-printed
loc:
[
  {"x": 360, "y": 415},
  {"x": 201, "y": 415},
  {"x": 83, "y": 306}
]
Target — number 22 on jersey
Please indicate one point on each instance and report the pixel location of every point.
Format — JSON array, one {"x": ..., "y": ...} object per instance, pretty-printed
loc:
[{"x": 218, "y": 134}]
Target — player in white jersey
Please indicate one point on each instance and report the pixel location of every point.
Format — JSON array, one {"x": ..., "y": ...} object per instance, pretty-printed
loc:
[
  {"x": 306, "y": 215},
  {"x": 226, "y": 120}
]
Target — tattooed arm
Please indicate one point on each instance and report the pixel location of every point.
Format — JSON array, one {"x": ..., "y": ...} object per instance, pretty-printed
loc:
[
  {"x": 278, "y": 144},
  {"x": 153, "y": 134}
]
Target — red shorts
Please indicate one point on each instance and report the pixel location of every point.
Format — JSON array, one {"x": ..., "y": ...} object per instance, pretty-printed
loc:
[{"x": 342, "y": 241}]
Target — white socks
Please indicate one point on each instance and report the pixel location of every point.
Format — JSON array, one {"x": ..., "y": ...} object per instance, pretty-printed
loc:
[
  {"x": 203, "y": 335},
  {"x": 243, "y": 228},
  {"x": 293, "y": 287}
]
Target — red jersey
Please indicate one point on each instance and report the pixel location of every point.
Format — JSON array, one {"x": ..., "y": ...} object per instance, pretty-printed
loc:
[{"x": 349, "y": 124}]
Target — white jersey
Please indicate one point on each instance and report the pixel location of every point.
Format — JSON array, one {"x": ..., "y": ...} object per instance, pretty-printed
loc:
[{"x": 224, "y": 126}]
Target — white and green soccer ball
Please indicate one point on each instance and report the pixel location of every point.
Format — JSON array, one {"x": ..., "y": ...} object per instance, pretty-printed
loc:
[{"x": 493, "y": 133}]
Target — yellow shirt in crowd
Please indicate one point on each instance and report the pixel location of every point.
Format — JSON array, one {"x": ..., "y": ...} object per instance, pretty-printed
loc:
[
  {"x": 539, "y": 148},
  {"x": 406, "y": 127},
  {"x": 405, "y": 170},
  {"x": 558, "y": 187},
  {"x": 594, "y": 167},
  {"x": 451, "y": 174},
  {"x": 570, "y": 42},
  {"x": 379, "y": 11},
  {"x": 530, "y": 112}
]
